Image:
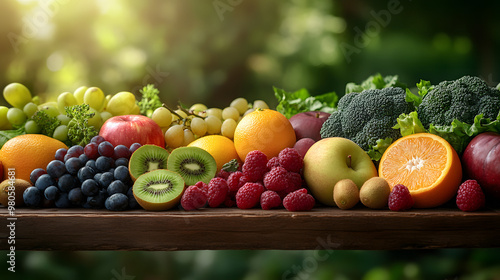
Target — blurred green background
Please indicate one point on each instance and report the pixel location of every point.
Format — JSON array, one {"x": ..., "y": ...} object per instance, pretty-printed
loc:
[{"x": 212, "y": 51}]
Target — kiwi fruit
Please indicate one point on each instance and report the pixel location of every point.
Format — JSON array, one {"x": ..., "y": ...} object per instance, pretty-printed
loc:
[
  {"x": 18, "y": 186},
  {"x": 193, "y": 164},
  {"x": 147, "y": 158},
  {"x": 158, "y": 190},
  {"x": 346, "y": 194},
  {"x": 374, "y": 193}
]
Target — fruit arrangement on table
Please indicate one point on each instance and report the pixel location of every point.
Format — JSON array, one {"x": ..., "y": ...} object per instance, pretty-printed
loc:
[{"x": 379, "y": 146}]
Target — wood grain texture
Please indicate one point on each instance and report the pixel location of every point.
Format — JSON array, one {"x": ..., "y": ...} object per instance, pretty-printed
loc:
[{"x": 222, "y": 228}]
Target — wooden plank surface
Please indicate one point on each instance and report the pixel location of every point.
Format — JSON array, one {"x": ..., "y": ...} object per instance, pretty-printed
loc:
[{"x": 223, "y": 228}]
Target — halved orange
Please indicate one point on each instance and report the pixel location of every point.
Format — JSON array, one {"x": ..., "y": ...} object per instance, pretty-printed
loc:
[{"x": 426, "y": 164}]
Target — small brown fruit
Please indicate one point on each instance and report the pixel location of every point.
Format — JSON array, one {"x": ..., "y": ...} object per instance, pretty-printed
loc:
[
  {"x": 15, "y": 190},
  {"x": 374, "y": 193},
  {"x": 346, "y": 194}
]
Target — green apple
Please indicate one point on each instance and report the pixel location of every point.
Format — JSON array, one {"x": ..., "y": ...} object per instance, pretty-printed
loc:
[{"x": 333, "y": 159}]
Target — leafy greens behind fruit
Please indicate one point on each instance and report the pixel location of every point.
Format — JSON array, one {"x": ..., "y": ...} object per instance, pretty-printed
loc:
[
  {"x": 150, "y": 100},
  {"x": 292, "y": 103},
  {"x": 376, "y": 81},
  {"x": 455, "y": 110},
  {"x": 79, "y": 131}
]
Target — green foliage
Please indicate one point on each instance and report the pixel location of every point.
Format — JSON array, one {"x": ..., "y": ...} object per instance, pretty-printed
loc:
[
  {"x": 291, "y": 103},
  {"x": 46, "y": 123},
  {"x": 150, "y": 100},
  {"x": 6, "y": 135},
  {"x": 367, "y": 118},
  {"x": 79, "y": 132},
  {"x": 376, "y": 81}
]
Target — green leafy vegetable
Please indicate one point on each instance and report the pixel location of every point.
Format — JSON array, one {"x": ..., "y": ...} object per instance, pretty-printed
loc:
[
  {"x": 291, "y": 103},
  {"x": 6, "y": 135},
  {"x": 150, "y": 100},
  {"x": 79, "y": 132},
  {"x": 423, "y": 88},
  {"x": 46, "y": 123},
  {"x": 376, "y": 152},
  {"x": 409, "y": 124},
  {"x": 376, "y": 81}
]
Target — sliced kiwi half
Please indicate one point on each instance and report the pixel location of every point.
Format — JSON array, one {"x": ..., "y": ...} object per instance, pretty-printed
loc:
[
  {"x": 158, "y": 190},
  {"x": 193, "y": 164},
  {"x": 147, "y": 158}
]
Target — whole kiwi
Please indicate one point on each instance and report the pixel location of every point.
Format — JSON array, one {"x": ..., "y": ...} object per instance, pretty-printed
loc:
[
  {"x": 345, "y": 194},
  {"x": 13, "y": 189},
  {"x": 374, "y": 193}
]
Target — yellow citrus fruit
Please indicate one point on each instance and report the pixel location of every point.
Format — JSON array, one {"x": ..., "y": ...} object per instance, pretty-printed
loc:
[
  {"x": 426, "y": 164},
  {"x": 26, "y": 152},
  {"x": 220, "y": 147},
  {"x": 266, "y": 130}
]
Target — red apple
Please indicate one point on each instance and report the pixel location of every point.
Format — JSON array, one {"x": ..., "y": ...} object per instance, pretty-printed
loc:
[
  {"x": 481, "y": 161},
  {"x": 129, "y": 129},
  {"x": 308, "y": 124}
]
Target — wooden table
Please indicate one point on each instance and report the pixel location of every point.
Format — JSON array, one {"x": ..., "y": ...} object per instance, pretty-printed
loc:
[{"x": 223, "y": 228}]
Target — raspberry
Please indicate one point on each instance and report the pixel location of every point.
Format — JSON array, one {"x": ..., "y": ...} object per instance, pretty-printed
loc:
[
  {"x": 193, "y": 198},
  {"x": 291, "y": 160},
  {"x": 276, "y": 179},
  {"x": 255, "y": 166},
  {"x": 400, "y": 198},
  {"x": 269, "y": 200},
  {"x": 233, "y": 182},
  {"x": 223, "y": 174},
  {"x": 470, "y": 196},
  {"x": 217, "y": 192},
  {"x": 202, "y": 186},
  {"x": 229, "y": 202},
  {"x": 249, "y": 195},
  {"x": 294, "y": 183},
  {"x": 299, "y": 200},
  {"x": 273, "y": 162}
]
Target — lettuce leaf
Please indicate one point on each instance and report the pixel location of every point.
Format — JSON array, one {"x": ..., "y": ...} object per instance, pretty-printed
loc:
[
  {"x": 458, "y": 133},
  {"x": 376, "y": 81},
  {"x": 292, "y": 103},
  {"x": 376, "y": 152},
  {"x": 6, "y": 135}
]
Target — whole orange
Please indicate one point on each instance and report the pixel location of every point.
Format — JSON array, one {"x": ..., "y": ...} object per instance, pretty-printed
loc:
[
  {"x": 26, "y": 152},
  {"x": 266, "y": 130},
  {"x": 220, "y": 147}
]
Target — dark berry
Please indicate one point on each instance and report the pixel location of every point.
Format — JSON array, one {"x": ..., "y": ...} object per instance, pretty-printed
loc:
[
  {"x": 117, "y": 186},
  {"x": 76, "y": 196},
  {"x": 217, "y": 191},
  {"x": 291, "y": 160},
  {"x": 248, "y": 196},
  {"x": 121, "y": 151},
  {"x": 121, "y": 162},
  {"x": 117, "y": 202},
  {"x": 470, "y": 196},
  {"x": 51, "y": 192},
  {"x": 60, "y": 153},
  {"x": 62, "y": 201},
  {"x": 400, "y": 198},
  {"x": 132, "y": 202},
  {"x": 85, "y": 173},
  {"x": 67, "y": 182},
  {"x": 73, "y": 165},
  {"x": 32, "y": 197},
  {"x": 270, "y": 200},
  {"x": 106, "y": 179},
  {"x": 83, "y": 158},
  {"x": 97, "y": 201},
  {"x": 91, "y": 163},
  {"x": 134, "y": 147},
  {"x": 90, "y": 187},
  {"x": 44, "y": 181},
  {"x": 193, "y": 198},
  {"x": 98, "y": 139},
  {"x": 36, "y": 173},
  {"x": 91, "y": 150},
  {"x": 75, "y": 151},
  {"x": 255, "y": 166},
  {"x": 121, "y": 173},
  {"x": 56, "y": 168},
  {"x": 299, "y": 200},
  {"x": 106, "y": 149},
  {"x": 104, "y": 164}
]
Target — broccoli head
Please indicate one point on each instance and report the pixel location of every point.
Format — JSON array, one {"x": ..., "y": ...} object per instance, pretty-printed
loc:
[
  {"x": 367, "y": 116},
  {"x": 462, "y": 99}
]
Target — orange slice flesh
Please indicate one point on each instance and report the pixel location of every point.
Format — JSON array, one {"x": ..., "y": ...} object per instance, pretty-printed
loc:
[{"x": 426, "y": 164}]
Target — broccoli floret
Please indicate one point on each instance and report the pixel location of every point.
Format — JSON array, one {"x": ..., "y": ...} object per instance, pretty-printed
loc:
[
  {"x": 462, "y": 99},
  {"x": 367, "y": 116}
]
